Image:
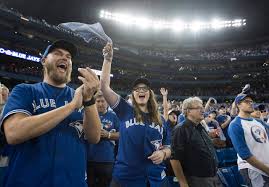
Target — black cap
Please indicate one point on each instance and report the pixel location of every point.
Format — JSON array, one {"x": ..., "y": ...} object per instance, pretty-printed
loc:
[
  {"x": 173, "y": 111},
  {"x": 61, "y": 44},
  {"x": 256, "y": 106},
  {"x": 262, "y": 107},
  {"x": 141, "y": 80},
  {"x": 213, "y": 112},
  {"x": 222, "y": 106}
]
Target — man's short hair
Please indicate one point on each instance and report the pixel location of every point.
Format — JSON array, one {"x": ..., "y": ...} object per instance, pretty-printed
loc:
[{"x": 188, "y": 103}]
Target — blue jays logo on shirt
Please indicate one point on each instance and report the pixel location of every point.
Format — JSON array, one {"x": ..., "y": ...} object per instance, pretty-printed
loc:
[
  {"x": 157, "y": 144},
  {"x": 258, "y": 134},
  {"x": 43, "y": 103},
  {"x": 107, "y": 125},
  {"x": 78, "y": 125}
]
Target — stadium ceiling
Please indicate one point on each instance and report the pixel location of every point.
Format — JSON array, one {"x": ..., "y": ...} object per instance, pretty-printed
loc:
[{"x": 88, "y": 11}]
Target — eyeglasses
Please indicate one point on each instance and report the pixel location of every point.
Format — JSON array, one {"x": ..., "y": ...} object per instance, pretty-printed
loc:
[
  {"x": 263, "y": 111},
  {"x": 247, "y": 101},
  {"x": 197, "y": 108},
  {"x": 144, "y": 89}
]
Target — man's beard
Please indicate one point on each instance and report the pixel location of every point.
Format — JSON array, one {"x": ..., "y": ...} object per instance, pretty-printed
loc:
[
  {"x": 56, "y": 77},
  {"x": 101, "y": 109}
]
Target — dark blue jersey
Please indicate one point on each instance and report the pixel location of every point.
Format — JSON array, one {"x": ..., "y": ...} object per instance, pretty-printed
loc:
[
  {"x": 212, "y": 125},
  {"x": 169, "y": 129},
  {"x": 138, "y": 140},
  {"x": 56, "y": 158},
  {"x": 181, "y": 119},
  {"x": 222, "y": 119},
  {"x": 104, "y": 150}
]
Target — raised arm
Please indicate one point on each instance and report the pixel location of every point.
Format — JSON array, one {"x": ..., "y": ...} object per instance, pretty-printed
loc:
[
  {"x": 234, "y": 111},
  {"x": 211, "y": 101},
  {"x": 164, "y": 93},
  {"x": 110, "y": 96}
]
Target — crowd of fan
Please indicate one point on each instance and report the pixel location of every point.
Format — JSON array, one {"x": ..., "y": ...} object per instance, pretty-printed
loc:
[
  {"x": 217, "y": 116},
  {"x": 35, "y": 70},
  {"x": 259, "y": 50}
]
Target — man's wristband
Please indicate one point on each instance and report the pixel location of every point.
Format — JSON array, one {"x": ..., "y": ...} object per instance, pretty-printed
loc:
[
  {"x": 109, "y": 135},
  {"x": 89, "y": 103}
]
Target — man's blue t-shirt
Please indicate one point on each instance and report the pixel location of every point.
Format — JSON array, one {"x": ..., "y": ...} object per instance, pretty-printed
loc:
[
  {"x": 56, "y": 158},
  {"x": 104, "y": 150}
]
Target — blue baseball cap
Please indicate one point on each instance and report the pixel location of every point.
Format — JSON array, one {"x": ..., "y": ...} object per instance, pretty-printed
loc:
[
  {"x": 61, "y": 44},
  {"x": 241, "y": 97}
]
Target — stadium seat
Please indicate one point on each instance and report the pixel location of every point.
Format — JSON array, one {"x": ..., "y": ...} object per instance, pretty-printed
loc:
[
  {"x": 230, "y": 177},
  {"x": 227, "y": 177},
  {"x": 226, "y": 157},
  {"x": 237, "y": 175}
]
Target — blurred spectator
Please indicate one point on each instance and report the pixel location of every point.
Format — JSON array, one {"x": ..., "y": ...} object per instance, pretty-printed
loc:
[
  {"x": 210, "y": 104},
  {"x": 264, "y": 112},
  {"x": 215, "y": 131},
  {"x": 212, "y": 54},
  {"x": 256, "y": 114},
  {"x": 224, "y": 121},
  {"x": 101, "y": 156},
  {"x": 4, "y": 92},
  {"x": 212, "y": 123}
]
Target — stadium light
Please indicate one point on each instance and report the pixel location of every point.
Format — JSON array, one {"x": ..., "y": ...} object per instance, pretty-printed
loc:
[
  {"x": 217, "y": 24},
  {"x": 143, "y": 22},
  {"x": 176, "y": 25},
  {"x": 102, "y": 13},
  {"x": 159, "y": 24},
  {"x": 197, "y": 26}
]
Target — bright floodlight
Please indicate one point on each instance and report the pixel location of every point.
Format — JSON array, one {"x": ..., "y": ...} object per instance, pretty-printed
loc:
[
  {"x": 159, "y": 25},
  {"x": 217, "y": 24},
  {"x": 196, "y": 26},
  {"x": 143, "y": 23},
  {"x": 122, "y": 18},
  {"x": 176, "y": 25},
  {"x": 102, "y": 13}
]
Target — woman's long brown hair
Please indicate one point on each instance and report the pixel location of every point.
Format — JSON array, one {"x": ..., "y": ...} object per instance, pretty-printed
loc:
[{"x": 152, "y": 106}]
